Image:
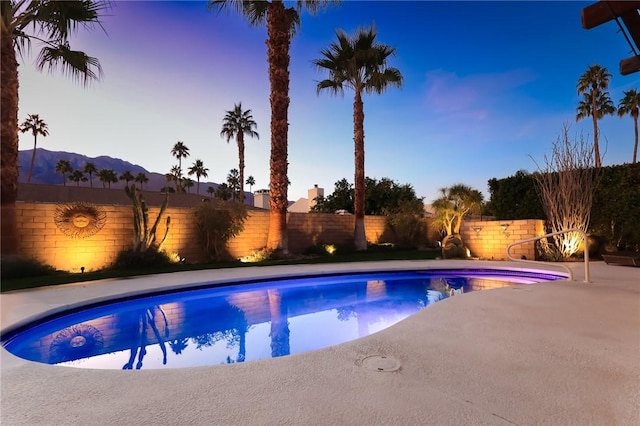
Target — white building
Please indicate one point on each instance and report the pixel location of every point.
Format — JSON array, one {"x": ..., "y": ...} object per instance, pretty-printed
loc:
[{"x": 304, "y": 205}]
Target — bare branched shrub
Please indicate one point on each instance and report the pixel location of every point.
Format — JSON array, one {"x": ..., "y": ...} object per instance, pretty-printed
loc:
[{"x": 566, "y": 186}]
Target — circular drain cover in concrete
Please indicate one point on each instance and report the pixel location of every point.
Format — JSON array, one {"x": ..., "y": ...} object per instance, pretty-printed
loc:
[{"x": 381, "y": 363}]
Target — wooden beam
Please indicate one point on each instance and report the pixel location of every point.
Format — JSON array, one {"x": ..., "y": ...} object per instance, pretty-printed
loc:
[
  {"x": 630, "y": 65},
  {"x": 631, "y": 20},
  {"x": 601, "y": 12}
]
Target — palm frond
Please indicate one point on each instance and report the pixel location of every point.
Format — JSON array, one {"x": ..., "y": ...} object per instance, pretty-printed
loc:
[
  {"x": 254, "y": 11},
  {"x": 78, "y": 65},
  {"x": 58, "y": 19}
]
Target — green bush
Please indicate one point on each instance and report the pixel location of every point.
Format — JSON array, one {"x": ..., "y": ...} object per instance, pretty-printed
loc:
[
  {"x": 131, "y": 258},
  {"x": 616, "y": 203},
  {"x": 514, "y": 197},
  {"x": 22, "y": 267},
  {"x": 408, "y": 224},
  {"x": 217, "y": 223},
  {"x": 616, "y": 207}
]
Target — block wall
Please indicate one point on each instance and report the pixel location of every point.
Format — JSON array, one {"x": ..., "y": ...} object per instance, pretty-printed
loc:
[
  {"x": 487, "y": 239},
  {"x": 40, "y": 238}
]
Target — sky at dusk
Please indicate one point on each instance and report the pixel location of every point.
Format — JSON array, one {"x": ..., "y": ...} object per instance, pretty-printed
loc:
[{"x": 487, "y": 86}]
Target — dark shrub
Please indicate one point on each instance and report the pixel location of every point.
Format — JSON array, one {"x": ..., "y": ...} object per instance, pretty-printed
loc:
[
  {"x": 130, "y": 258},
  {"x": 21, "y": 267}
]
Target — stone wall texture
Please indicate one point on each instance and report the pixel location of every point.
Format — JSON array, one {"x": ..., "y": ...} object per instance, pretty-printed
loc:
[
  {"x": 488, "y": 239},
  {"x": 41, "y": 238}
]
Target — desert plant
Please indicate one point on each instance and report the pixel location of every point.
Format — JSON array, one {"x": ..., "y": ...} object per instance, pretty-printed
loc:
[
  {"x": 144, "y": 239},
  {"x": 455, "y": 203},
  {"x": 566, "y": 185},
  {"x": 217, "y": 223}
]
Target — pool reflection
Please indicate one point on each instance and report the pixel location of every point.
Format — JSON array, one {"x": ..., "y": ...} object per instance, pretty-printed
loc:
[{"x": 218, "y": 326}]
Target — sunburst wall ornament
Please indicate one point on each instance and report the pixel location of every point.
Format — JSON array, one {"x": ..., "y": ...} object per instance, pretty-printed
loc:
[{"x": 79, "y": 220}]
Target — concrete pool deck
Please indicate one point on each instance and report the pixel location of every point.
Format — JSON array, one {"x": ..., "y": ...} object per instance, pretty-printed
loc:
[{"x": 557, "y": 353}]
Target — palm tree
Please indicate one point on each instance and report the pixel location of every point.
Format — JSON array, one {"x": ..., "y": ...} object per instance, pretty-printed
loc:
[
  {"x": 593, "y": 84},
  {"x": 141, "y": 178},
  {"x": 63, "y": 167},
  {"x": 454, "y": 204},
  {"x": 250, "y": 181},
  {"x": 127, "y": 177},
  {"x": 281, "y": 23},
  {"x": 186, "y": 184},
  {"x": 210, "y": 191},
  {"x": 36, "y": 126},
  {"x": 233, "y": 181},
  {"x": 199, "y": 170},
  {"x": 360, "y": 63},
  {"x": 77, "y": 176},
  {"x": 180, "y": 151},
  {"x": 630, "y": 104},
  {"x": 223, "y": 192},
  {"x": 90, "y": 169},
  {"x": 236, "y": 124},
  {"x": 175, "y": 175},
  {"x": 49, "y": 22},
  {"x": 107, "y": 177}
]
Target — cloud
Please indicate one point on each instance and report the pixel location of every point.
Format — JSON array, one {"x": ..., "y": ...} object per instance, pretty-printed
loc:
[{"x": 473, "y": 96}]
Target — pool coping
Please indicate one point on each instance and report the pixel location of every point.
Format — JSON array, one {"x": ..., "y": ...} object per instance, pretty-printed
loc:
[
  {"x": 529, "y": 347},
  {"x": 47, "y": 301}
]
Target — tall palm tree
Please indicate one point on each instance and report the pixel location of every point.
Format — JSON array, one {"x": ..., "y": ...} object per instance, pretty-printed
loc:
[
  {"x": 186, "y": 184},
  {"x": 107, "y": 177},
  {"x": 175, "y": 174},
  {"x": 233, "y": 181},
  {"x": 593, "y": 84},
  {"x": 281, "y": 23},
  {"x": 359, "y": 63},
  {"x": 90, "y": 169},
  {"x": 64, "y": 167},
  {"x": 630, "y": 104},
  {"x": 141, "y": 178},
  {"x": 250, "y": 181},
  {"x": 78, "y": 176},
  {"x": 127, "y": 177},
  {"x": 49, "y": 23},
  {"x": 199, "y": 170},
  {"x": 223, "y": 192},
  {"x": 237, "y": 123},
  {"x": 180, "y": 151},
  {"x": 36, "y": 126}
]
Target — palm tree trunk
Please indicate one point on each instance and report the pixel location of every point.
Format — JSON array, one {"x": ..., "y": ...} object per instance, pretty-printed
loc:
[
  {"x": 33, "y": 157},
  {"x": 635, "y": 132},
  {"x": 278, "y": 42},
  {"x": 8, "y": 144},
  {"x": 360, "y": 239},
  {"x": 594, "y": 114},
  {"x": 241, "y": 158}
]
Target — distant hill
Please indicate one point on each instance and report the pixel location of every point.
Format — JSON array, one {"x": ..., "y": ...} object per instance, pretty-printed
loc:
[{"x": 44, "y": 170}]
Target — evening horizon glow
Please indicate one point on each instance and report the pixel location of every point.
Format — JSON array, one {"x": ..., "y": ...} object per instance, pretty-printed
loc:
[{"x": 487, "y": 89}]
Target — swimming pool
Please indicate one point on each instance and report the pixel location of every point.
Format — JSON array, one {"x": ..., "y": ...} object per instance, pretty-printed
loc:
[{"x": 244, "y": 321}]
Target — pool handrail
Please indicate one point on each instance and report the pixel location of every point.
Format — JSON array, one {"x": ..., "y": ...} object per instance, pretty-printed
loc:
[{"x": 586, "y": 251}]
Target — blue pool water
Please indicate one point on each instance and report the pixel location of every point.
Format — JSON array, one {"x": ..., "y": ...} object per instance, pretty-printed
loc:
[{"x": 244, "y": 322}]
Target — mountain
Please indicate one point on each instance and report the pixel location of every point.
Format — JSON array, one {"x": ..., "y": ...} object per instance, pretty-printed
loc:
[{"x": 45, "y": 164}]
